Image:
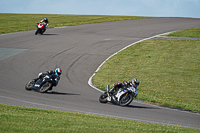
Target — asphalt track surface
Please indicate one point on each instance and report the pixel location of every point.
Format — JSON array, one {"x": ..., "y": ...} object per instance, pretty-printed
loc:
[{"x": 79, "y": 50}]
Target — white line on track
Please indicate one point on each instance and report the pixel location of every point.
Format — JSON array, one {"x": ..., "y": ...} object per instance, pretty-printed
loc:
[
  {"x": 90, "y": 79},
  {"x": 138, "y": 101},
  {"x": 90, "y": 83}
]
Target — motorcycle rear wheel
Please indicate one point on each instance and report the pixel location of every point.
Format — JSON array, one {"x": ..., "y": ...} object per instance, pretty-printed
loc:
[
  {"x": 126, "y": 100},
  {"x": 28, "y": 86},
  {"x": 103, "y": 98},
  {"x": 45, "y": 87}
]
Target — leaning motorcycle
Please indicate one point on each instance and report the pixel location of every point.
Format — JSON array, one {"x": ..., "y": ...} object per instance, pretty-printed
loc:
[
  {"x": 40, "y": 28},
  {"x": 43, "y": 84},
  {"x": 123, "y": 97}
]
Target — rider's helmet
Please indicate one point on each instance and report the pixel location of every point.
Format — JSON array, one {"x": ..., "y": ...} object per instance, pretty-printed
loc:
[
  {"x": 58, "y": 71},
  {"x": 45, "y": 20},
  {"x": 135, "y": 82}
]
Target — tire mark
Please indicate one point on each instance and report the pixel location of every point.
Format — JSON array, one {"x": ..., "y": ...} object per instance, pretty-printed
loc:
[{"x": 68, "y": 69}]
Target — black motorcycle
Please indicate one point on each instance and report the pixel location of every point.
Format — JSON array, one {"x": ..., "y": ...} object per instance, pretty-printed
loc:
[
  {"x": 43, "y": 84},
  {"x": 122, "y": 97}
]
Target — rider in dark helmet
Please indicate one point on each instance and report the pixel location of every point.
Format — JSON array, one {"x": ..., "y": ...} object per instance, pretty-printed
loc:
[
  {"x": 54, "y": 73},
  {"x": 135, "y": 82},
  {"x": 46, "y": 22},
  {"x": 126, "y": 84}
]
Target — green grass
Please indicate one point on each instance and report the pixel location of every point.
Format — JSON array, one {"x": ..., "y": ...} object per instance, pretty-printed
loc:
[
  {"x": 192, "y": 32},
  {"x": 30, "y": 120},
  {"x": 23, "y": 22},
  {"x": 168, "y": 70}
]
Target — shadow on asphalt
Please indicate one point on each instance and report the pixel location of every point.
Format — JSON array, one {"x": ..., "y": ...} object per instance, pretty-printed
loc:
[
  {"x": 50, "y": 34},
  {"x": 60, "y": 93},
  {"x": 140, "y": 107},
  {"x": 132, "y": 106}
]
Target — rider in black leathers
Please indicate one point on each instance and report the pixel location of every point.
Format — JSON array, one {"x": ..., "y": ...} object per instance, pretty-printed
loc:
[
  {"x": 126, "y": 84},
  {"x": 55, "y": 74},
  {"x": 46, "y": 22}
]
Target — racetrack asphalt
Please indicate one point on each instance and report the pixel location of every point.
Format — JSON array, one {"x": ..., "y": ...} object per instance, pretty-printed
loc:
[{"x": 78, "y": 51}]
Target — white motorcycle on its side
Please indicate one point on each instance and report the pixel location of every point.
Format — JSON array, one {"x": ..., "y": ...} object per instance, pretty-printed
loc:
[{"x": 122, "y": 97}]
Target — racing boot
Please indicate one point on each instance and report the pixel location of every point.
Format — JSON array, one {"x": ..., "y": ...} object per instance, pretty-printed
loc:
[{"x": 114, "y": 99}]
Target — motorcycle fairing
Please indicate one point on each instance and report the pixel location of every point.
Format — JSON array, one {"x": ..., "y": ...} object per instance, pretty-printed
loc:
[{"x": 120, "y": 93}]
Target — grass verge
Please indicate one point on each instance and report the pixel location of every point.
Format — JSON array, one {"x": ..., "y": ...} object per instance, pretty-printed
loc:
[
  {"x": 22, "y": 22},
  {"x": 167, "y": 68},
  {"x": 26, "y": 120},
  {"x": 156, "y": 79},
  {"x": 192, "y": 32}
]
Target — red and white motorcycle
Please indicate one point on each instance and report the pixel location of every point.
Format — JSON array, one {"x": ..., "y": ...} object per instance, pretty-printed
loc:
[{"x": 40, "y": 28}]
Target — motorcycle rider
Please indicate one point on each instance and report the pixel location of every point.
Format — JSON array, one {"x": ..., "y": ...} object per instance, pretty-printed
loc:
[
  {"x": 126, "y": 84},
  {"x": 46, "y": 22},
  {"x": 55, "y": 74},
  {"x": 135, "y": 82}
]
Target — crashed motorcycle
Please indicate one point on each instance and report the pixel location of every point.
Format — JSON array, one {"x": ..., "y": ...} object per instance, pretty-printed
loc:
[
  {"x": 43, "y": 84},
  {"x": 123, "y": 97},
  {"x": 40, "y": 28}
]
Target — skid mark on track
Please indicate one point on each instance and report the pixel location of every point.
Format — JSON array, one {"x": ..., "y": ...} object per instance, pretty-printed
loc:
[
  {"x": 61, "y": 52},
  {"x": 55, "y": 55},
  {"x": 71, "y": 65}
]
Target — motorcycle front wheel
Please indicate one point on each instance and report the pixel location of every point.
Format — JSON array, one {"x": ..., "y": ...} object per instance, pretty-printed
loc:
[
  {"x": 36, "y": 31},
  {"x": 29, "y": 85},
  {"x": 45, "y": 87},
  {"x": 42, "y": 32},
  {"x": 103, "y": 98},
  {"x": 126, "y": 100}
]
